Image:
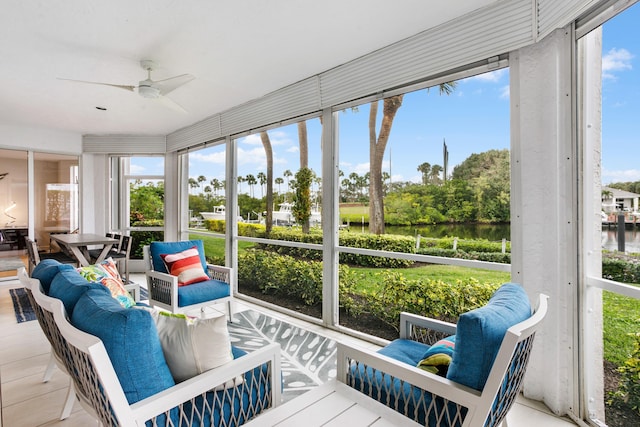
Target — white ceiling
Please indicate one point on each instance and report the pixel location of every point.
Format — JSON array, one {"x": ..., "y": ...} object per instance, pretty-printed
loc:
[{"x": 238, "y": 50}]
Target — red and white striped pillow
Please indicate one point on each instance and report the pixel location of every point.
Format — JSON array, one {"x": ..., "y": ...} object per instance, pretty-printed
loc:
[{"x": 186, "y": 265}]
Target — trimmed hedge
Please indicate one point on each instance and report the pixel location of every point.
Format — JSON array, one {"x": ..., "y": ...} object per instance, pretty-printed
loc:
[
  {"x": 478, "y": 256},
  {"x": 426, "y": 297},
  {"x": 291, "y": 277},
  {"x": 302, "y": 280},
  {"x": 620, "y": 268}
]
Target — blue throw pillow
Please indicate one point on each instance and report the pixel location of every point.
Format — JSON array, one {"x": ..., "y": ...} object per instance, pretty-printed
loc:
[
  {"x": 480, "y": 332},
  {"x": 131, "y": 339},
  {"x": 46, "y": 270},
  {"x": 68, "y": 286}
]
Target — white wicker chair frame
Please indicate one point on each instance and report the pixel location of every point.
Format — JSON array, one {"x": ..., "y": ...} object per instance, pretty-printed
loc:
[
  {"x": 449, "y": 403},
  {"x": 55, "y": 360}
]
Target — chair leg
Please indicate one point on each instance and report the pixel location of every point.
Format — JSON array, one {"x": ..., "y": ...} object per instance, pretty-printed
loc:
[
  {"x": 50, "y": 367},
  {"x": 230, "y": 312},
  {"x": 68, "y": 404}
]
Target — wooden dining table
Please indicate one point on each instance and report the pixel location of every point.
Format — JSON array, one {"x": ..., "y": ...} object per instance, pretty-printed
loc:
[{"x": 78, "y": 245}]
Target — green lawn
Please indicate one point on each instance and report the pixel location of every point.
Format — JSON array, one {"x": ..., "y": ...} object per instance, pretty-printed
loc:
[
  {"x": 369, "y": 278},
  {"x": 621, "y": 317}
]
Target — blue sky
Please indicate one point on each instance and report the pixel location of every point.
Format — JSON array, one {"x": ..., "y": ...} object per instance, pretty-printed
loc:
[{"x": 473, "y": 119}]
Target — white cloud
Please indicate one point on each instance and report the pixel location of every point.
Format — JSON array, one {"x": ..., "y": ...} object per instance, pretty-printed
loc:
[
  {"x": 213, "y": 158},
  {"x": 615, "y": 60},
  {"x": 609, "y": 176},
  {"x": 491, "y": 77},
  {"x": 137, "y": 169},
  {"x": 505, "y": 92},
  {"x": 293, "y": 149}
]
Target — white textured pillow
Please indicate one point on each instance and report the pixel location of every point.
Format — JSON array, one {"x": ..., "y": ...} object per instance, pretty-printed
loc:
[{"x": 192, "y": 346}]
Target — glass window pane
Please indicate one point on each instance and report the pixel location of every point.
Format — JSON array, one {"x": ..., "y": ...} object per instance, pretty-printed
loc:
[
  {"x": 56, "y": 196},
  {"x": 279, "y": 194},
  {"x": 14, "y": 213},
  {"x": 426, "y": 172}
]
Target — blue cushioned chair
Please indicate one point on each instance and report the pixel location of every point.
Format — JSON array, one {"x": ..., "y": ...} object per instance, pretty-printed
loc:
[
  {"x": 163, "y": 288},
  {"x": 492, "y": 348}
]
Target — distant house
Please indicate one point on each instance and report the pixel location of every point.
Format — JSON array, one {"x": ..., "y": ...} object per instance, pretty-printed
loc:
[{"x": 614, "y": 200}]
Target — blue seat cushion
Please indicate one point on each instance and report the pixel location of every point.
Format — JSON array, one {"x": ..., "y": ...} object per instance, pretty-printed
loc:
[
  {"x": 46, "y": 270},
  {"x": 131, "y": 340},
  {"x": 480, "y": 333},
  {"x": 208, "y": 290},
  {"x": 68, "y": 286},
  {"x": 159, "y": 248},
  {"x": 407, "y": 351}
]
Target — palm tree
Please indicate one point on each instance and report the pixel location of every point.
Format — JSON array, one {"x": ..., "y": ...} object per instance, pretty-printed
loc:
[
  {"x": 193, "y": 183},
  {"x": 425, "y": 170},
  {"x": 435, "y": 174},
  {"x": 240, "y": 181},
  {"x": 262, "y": 179},
  {"x": 287, "y": 174},
  {"x": 279, "y": 181},
  {"x": 266, "y": 143},
  {"x": 251, "y": 180},
  {"x": 377, "y": 147}
]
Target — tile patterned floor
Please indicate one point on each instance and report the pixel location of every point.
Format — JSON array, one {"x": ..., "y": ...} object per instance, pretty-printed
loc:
[{"x": 28, "y": 402}]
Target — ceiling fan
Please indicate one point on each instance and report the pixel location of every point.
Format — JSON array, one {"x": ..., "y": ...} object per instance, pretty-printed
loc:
[{"x": 148, "y": 88}]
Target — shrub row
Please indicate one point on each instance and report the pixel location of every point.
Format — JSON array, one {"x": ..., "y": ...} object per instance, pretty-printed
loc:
[
  {"x": 478, "y": 256},
  {"x": 465, "y": 245},
  {"x": 287, "y": 276},
  {"x": 426, "y": 297},
  {"x": 620, "y": 269}
]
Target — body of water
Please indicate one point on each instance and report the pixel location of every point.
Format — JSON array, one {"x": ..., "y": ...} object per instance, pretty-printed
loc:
[{"x": 497, "y": 232}]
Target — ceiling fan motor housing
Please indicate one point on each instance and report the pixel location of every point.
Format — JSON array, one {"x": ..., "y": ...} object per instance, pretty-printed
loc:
[{"x": 147, "y": 90}]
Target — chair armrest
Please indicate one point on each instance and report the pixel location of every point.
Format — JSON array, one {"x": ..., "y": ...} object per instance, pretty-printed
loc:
[
  {"x": 413, "y": 327},
  {"x": 222, "y": 376},
  {"x": 219, "y": 272},
  {"x": 162, "y": 287},
  {"x": 401, "y": 373}
]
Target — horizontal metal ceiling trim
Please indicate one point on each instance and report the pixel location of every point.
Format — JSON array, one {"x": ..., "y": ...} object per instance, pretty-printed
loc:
[
  {"x": 553, "y": 14},
  {"x": 198, "y": 133},
  {"x": 122, "y": 144},
  {"x": 478, "y": 35},
  {"x": 294, "y": 100}
]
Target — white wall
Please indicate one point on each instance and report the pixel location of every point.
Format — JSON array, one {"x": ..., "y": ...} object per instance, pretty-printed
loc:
[{"x": 44, "y": 140}]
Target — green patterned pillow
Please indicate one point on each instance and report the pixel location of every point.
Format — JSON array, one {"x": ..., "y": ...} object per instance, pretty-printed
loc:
[
  {"x": 438, "y": 358},
  {"x": 106, "y": 273}
]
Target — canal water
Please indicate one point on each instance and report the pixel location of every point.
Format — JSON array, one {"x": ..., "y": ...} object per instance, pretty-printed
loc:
[{"x": 496, "y": 232}]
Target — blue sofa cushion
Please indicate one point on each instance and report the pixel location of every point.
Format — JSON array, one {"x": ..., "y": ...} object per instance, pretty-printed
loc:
[
  {"x": 68, "y": 286},
  {"x": 208, "y": 290},
  {"x": 480, "y": 333},
  {"x": 407, "y": 351},
  {"x": 46, "y": 270},
  {"x": 158, "y": 248},
  {"x": 131, "y": 340}
]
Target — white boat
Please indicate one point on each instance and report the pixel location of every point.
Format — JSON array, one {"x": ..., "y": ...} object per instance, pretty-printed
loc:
[
  {"x": 219, "y": 213},
  {"x": 284, "y": 215}
]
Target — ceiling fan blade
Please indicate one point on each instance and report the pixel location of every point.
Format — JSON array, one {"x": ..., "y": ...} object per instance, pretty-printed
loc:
[
  {"x": 172, "y": 83},
  {"x": 170, "y": 103},
  {"x": 125, "y": 87}
]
